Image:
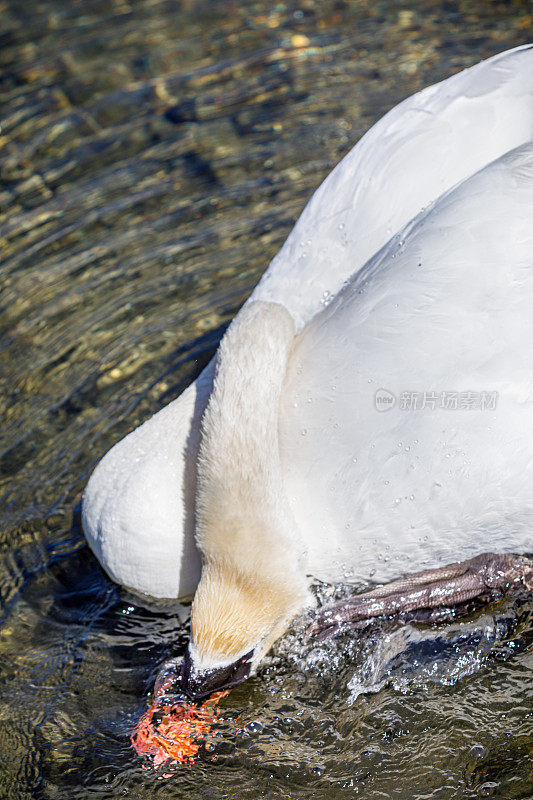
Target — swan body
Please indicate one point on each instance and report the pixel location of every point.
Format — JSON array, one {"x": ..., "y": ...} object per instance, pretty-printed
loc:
[
  {"x": 441, "y": 319},
  {"x": 427, "y": 294}
]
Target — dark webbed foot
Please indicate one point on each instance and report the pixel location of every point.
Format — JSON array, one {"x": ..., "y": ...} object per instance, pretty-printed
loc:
[{"x": 483, "y": 577}]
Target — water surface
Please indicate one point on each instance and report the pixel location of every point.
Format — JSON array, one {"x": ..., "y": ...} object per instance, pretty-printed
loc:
[{"x": 153, "y": 157}]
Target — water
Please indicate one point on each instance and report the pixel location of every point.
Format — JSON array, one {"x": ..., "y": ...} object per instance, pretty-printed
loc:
[{"x": 153, "y": 157}]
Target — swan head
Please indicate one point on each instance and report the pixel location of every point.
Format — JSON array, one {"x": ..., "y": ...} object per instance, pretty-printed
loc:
[{"x": 236, "y": 618}]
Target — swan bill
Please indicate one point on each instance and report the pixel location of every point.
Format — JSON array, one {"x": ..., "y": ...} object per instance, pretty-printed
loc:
[{"x": 200, "y": 684}]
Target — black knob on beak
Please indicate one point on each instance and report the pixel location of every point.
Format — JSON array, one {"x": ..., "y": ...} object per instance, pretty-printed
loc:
[{"x": 199, "y": 684}]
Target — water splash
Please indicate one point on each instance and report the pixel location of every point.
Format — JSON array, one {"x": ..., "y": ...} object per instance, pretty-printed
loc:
[{"x": 410, "y": 657}]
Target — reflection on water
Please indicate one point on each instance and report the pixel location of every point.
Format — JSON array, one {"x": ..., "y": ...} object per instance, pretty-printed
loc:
[{"x": 153, "y": 156}]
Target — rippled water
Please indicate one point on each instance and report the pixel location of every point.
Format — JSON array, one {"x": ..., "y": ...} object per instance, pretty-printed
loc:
[{"x": 153, "y": 157}]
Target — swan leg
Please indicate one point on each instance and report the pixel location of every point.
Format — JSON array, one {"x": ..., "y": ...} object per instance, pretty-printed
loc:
[{"x": 484, "y": 577}]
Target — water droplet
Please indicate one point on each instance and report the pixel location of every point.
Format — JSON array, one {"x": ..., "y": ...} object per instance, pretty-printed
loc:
[
  {"x": 477, "y": 750},
  {"x": 411, "y": 497},
  {"x": 398, "y": 501},
  {"x": 372, "y": 573},
  {"x": 254, "y": 727},
  {"x": 341, "y": 226},
  {"x": 303, "y": 432},
  {"x": 487, "y": 789},
  {"x": 387, "y": 483}
]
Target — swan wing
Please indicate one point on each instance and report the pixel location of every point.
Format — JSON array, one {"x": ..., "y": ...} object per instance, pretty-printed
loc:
[
  {"x": 138, "y": 506},
  {"x": 439, "y": 324}
]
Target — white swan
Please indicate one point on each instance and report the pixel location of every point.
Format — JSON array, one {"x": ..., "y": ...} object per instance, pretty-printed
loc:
[{"x": 298, "y": 473}]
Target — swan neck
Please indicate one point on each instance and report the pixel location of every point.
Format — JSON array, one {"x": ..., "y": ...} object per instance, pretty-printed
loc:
[{"x": 242, "y": 515}]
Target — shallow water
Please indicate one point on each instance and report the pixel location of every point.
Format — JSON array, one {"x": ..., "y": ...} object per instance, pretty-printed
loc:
[{"x": 153, "y": 157}]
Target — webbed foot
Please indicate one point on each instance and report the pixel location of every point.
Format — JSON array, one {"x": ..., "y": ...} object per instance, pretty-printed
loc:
[{"x": 484, "y": 577}]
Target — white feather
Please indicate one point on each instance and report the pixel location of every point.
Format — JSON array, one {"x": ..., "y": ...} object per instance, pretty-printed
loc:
[{"x": 139, "y": 504}]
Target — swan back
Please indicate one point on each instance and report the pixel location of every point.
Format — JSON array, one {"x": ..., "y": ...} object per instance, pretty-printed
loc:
[{"x": 424, "y": 146}]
